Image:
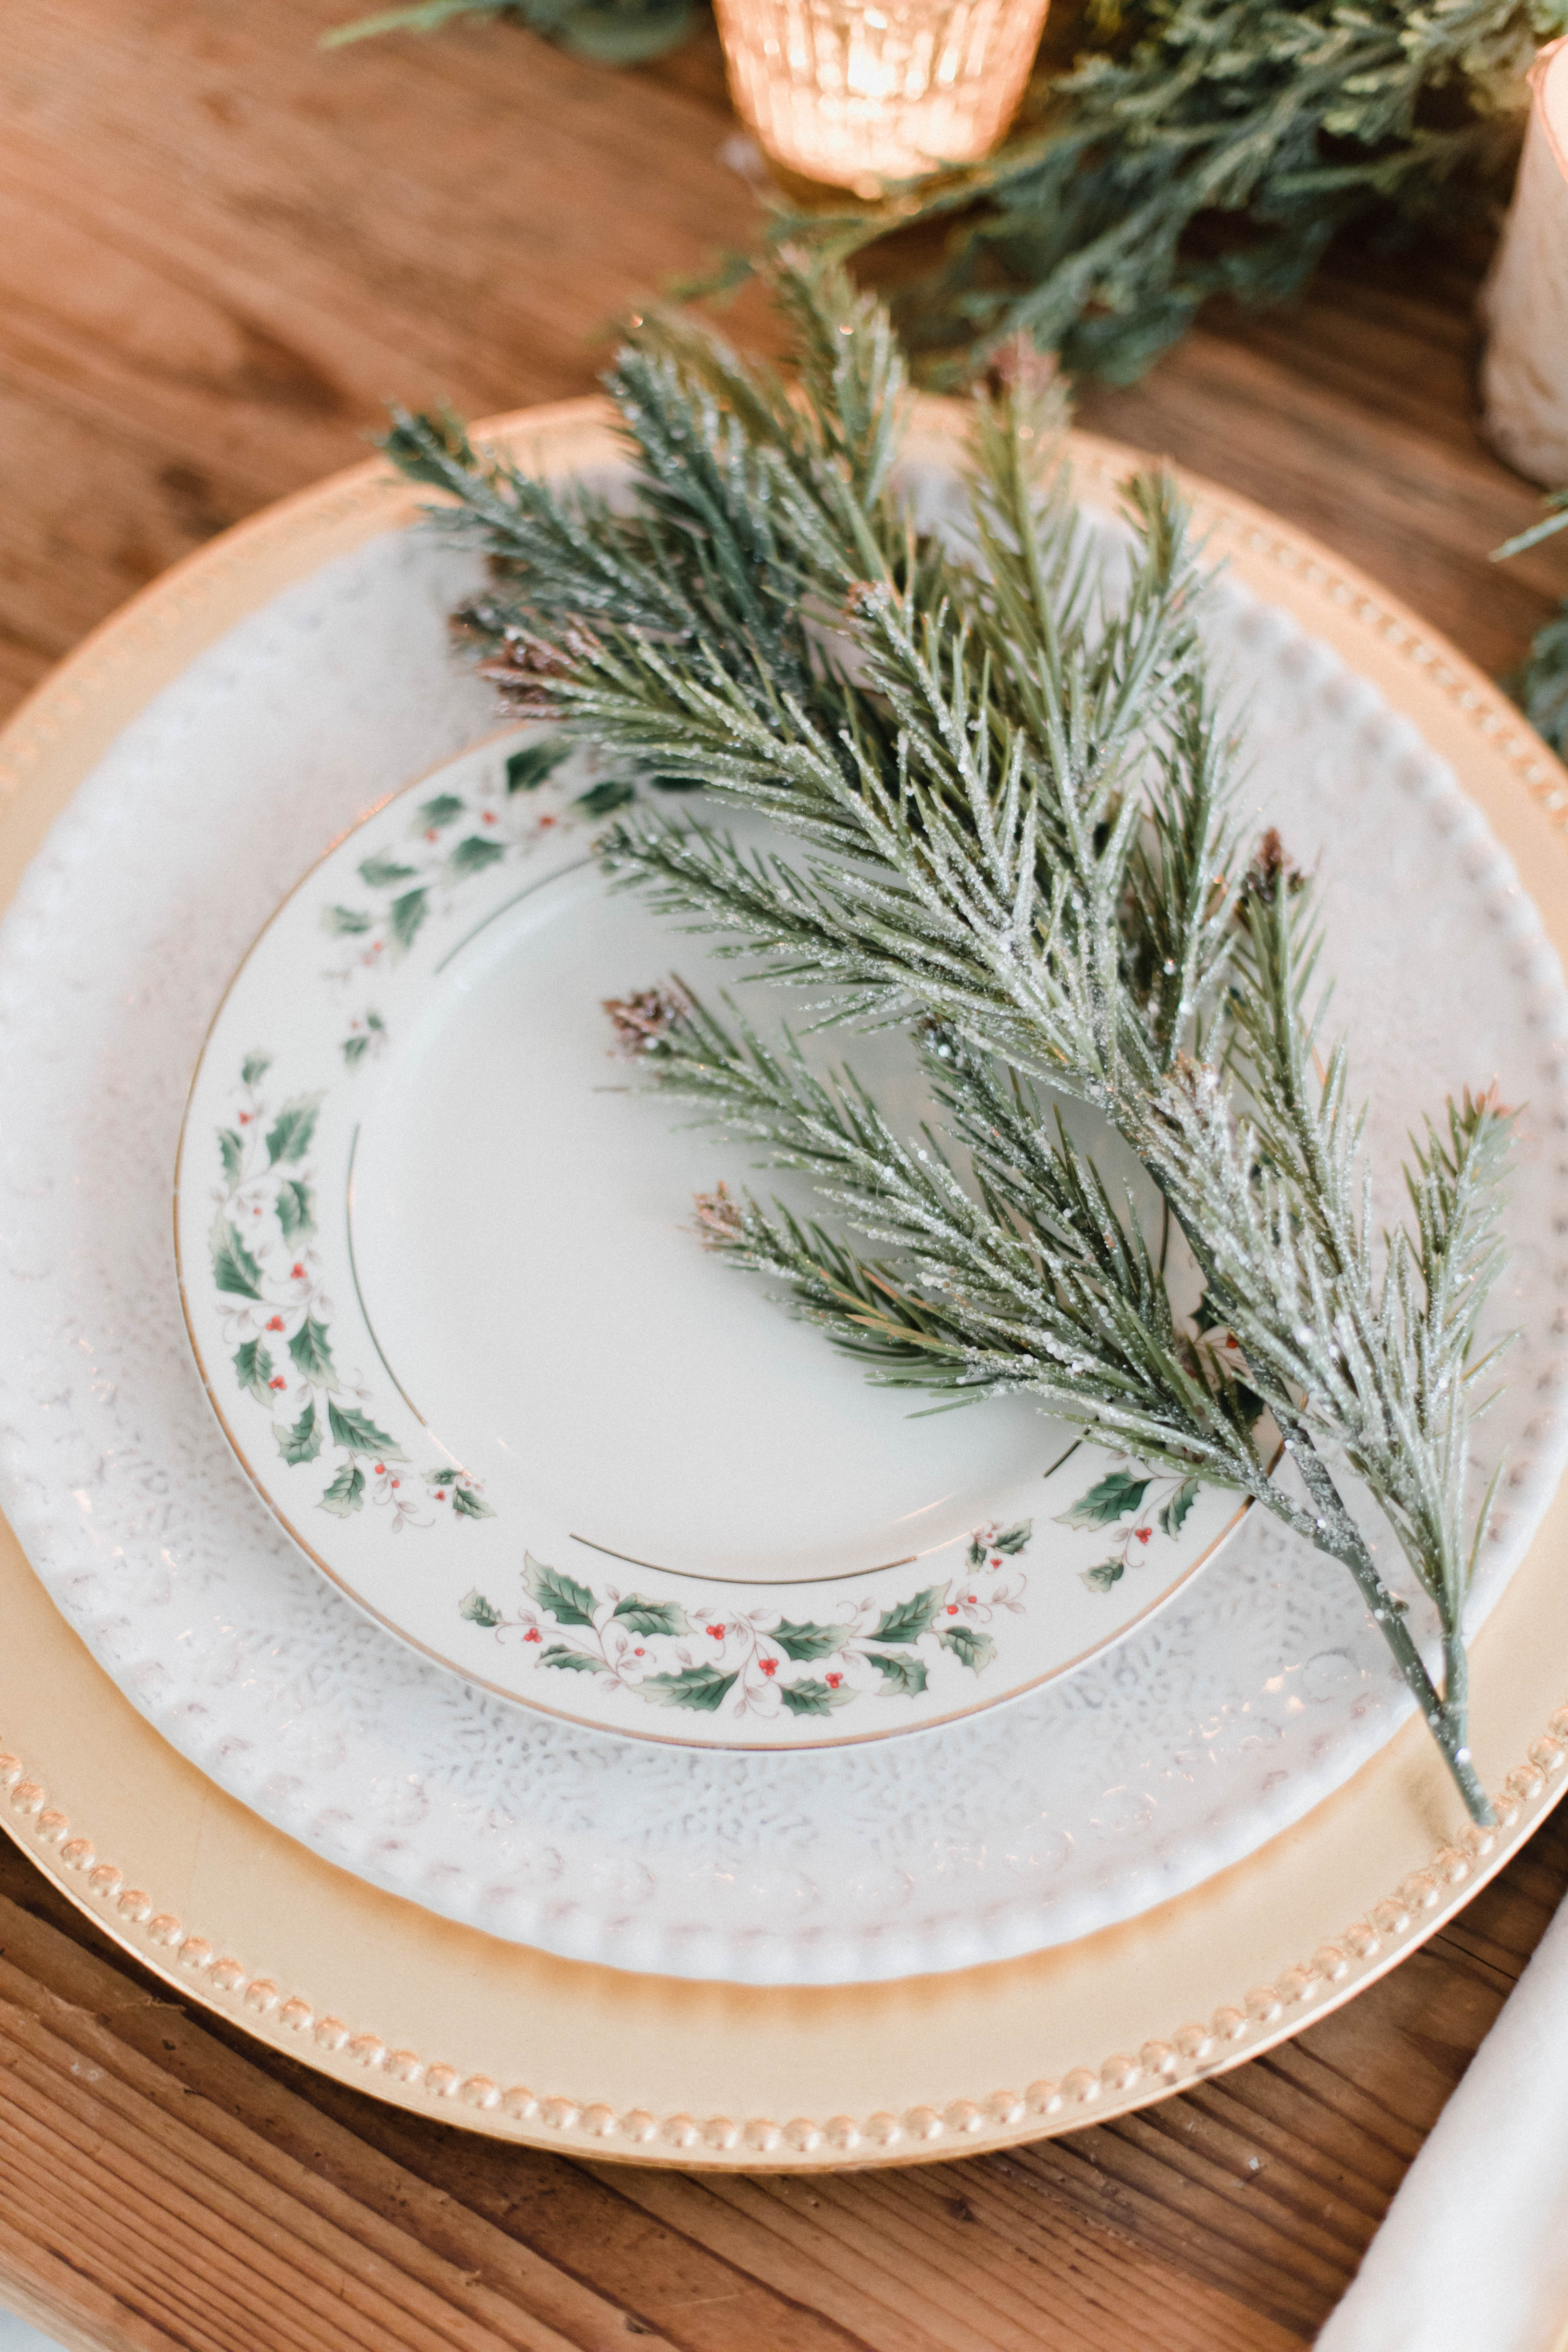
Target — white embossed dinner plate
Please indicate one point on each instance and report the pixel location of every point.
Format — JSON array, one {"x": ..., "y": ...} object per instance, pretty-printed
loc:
[
  {"x": 437, "y": 1268},
  {"x": 305, "y": 678}
]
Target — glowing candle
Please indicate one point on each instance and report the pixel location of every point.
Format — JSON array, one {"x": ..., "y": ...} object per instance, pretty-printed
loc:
[
  {"x": 858, "y": 94},
  {"x": 1524, "y": 380}
]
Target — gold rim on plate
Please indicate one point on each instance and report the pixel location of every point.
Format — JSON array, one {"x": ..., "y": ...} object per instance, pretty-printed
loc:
[{"x": 445, "y": 2019}]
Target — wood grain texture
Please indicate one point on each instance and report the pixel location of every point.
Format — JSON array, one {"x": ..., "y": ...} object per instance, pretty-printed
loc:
[{"x": 219, "y": 251}]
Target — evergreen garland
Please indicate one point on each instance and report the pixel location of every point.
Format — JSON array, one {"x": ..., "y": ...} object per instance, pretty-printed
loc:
[
  {"x": 610, "y": 32},
  {"x": 1021, "y": 835},
  {"x": 1208, "y": 146}
]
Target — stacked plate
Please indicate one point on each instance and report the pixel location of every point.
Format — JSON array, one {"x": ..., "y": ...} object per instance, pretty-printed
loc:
[{"x": 450, "y": 1514}]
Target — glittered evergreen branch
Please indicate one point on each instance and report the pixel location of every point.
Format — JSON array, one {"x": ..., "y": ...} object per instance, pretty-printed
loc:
[{"x": 1016, "y": 806}]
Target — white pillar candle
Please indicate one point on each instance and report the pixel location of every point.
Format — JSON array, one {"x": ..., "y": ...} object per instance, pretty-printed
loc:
[{"x": 1524, "y": 378}]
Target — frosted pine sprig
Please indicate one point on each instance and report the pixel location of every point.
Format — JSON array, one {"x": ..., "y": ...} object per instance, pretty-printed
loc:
[{"x": 1013, "y": 807}]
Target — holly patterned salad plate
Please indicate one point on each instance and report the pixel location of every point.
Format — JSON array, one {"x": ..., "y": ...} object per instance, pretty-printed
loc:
[{"x": 437, "y": 1267}]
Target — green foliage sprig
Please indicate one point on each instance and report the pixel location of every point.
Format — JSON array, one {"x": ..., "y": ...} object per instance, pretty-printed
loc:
[
  {"x": 1017, "y": 813},
  {"x": 610, "y": 32},
  {"x": 1540, "y": 687},
  {"x": 1265, "y": 125}
]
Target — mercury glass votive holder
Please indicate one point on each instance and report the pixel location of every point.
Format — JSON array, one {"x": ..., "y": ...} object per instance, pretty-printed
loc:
[{"x": 859, "y": 95}]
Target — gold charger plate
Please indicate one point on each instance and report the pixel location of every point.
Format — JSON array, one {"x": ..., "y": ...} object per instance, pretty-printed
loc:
[{"x": 444, "y": 2020}]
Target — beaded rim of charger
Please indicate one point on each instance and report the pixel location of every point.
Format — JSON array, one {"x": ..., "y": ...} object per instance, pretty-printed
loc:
[{"x": 1234, "y": 2033}]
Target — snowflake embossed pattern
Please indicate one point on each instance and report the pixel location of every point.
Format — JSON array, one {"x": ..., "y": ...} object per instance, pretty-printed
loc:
[{"x": 1135, "y": 1779}]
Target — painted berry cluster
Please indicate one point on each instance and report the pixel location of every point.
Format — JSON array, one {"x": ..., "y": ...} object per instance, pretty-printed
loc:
[
  {"x": 278, "y": 1317},
  {"x": 754, "y": 1662},
  {"x": 448, "y": 839}
]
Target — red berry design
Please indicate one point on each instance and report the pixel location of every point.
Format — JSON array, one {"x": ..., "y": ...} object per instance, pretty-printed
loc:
[
  {"x": 379, "y": 1468},
  {"x": 717, "y": 1631},
  {"x": 1144, "y": 1534},
  {"x": 297, "y": 1272},
  {"x": 278, "y": 1382},
  {"x": 490, "y": 819},
  {"x": 769, "y": 1665},
  {"x": 834, "y": 1681},
  {"x": 952, "y": 1608},
  {"x": 441, "y": 1493},
  {"x": 533, "y": 1634},
  {"x": 276, "y": 1323}
]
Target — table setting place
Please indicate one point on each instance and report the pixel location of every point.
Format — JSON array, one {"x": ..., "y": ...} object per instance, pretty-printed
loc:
[{"x": 784, "y": 1364}]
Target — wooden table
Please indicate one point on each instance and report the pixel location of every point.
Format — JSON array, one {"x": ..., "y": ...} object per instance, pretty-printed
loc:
[{"x": 220, "y": 249}]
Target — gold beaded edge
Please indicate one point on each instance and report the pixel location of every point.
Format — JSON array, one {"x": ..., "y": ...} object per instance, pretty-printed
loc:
[{"x": 1234, "y": 2033}]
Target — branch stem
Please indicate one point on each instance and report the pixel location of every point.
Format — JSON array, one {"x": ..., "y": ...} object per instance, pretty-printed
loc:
[{"x": 1333, "y": 1531}]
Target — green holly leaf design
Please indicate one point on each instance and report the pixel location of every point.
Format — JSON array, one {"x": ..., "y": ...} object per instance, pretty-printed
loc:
[
  {"x": 407, "y": 913},
  {"x": 641, "y": 1616},
  {"x": 382, "y": 873},
  {"x": 471, "y": 856},
  {"x": 431, "y": 815},
  {"x": 358, "y": 1434},
  {"x": 600, "y": 799},
  {"x": 813, "y": 1697},
  {"x": 903, "y": 1673},
  {"x": 969, "y": 1646},
  {"x": 527, "y": 769},
  {"x": 303, "y": 1441},
  {"x": 344, "y": 922},
  {"x": 701, "y": 1688},
  {"x": 906, "y": 1621},
  {"x": 468, "y": 1504},
  {"x": 312, "y": 1353},
  {"x": 254, "y": 1067},
  {"x": 232, "y": 1152},
  {"x": 346, "y": 1493},
  {"x": 253, "y": 1368},
  {"x": 1011, "y": 1540},
  {"x": 1111, "y": 1497},
  {"x": 575, "y": 1662},
  {"x": 355, "y": 1049},
  {"x": 808, "y": 1642},
  {"x": 296, "y": 1208},
  {"x": 234, "y": 1268},
  {"x": 477, "y": 1610},
  {"x": 1101, "y": 1578},
  {"x": 569, "y": 1602},
  {"x": 290, "y": 1137},
  {"x": 1173, "y": 1515}
]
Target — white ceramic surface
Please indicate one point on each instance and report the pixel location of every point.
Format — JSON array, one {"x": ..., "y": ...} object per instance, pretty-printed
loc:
[
  {"x": 437, "y": 1268},
  {"x": 1258, "y": 1689}
]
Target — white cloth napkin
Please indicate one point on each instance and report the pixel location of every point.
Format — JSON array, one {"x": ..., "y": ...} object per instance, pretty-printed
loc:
[{"x": 1473, "y": 2255}]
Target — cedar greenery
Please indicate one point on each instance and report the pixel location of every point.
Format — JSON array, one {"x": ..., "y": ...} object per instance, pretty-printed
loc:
[
  {"x": 1200, "y": 147},
  {"x": 610, "y": 32},
  {"x": 1540, "y": 688},
  {"x": 1016, "y": 808}
]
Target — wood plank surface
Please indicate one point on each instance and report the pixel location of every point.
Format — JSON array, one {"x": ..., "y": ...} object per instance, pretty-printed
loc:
[{"x": 220, "y": 251}]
